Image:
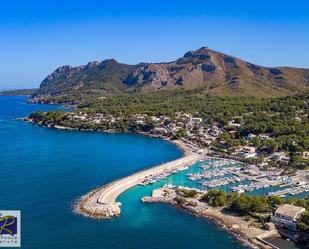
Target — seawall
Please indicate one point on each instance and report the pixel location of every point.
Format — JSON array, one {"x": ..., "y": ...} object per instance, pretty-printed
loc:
[{"x": 101, "y": 203}]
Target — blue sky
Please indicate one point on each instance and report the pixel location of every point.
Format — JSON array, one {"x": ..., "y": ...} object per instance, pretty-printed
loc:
[{"x": 38, "y": 36}]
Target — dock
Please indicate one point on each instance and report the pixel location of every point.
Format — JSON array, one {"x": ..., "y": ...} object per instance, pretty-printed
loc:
[{"x": 102, "y": 203}]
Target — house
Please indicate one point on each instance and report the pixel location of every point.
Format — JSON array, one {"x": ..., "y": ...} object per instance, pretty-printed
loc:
[
  {"x": 159, "y": 130},
  {"x": 306, "y": 155},
  {"x": 248, "y": 149},
  {"x": 277, "y": 155},
  {"x": 214, "y": 131},
  {"x": 232, "y": 123},
  {"x": 250, "y": 136},
  {"x": 194, "y": 122},
  {"x": 247, "y": 152},
  {"x": 284, "y": 160},
  {"x": 264, "y": 136},
  {"x": 269, "y": 226},
  {"x": 287, "y": 216},
  {"x": 155, "y": 119}
]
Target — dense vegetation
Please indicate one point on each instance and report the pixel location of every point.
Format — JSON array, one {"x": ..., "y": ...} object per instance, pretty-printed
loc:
[
  {"x": 188, "y": 193},
  {"x": 246, "y": 204},
  {"x": 285, "y": 119},
  {"x": 216, "y": 109}
]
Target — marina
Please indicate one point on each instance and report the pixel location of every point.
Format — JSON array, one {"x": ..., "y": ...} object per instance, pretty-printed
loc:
[
  {"x": 102, "y": 203},
  {"x": 151, "y": 179},
  {"x": 154, "y": 124},
  {"x": 293, "y": 190},
  {"x": 222, "y": 181},
  {"x": 233, "y": 176}
]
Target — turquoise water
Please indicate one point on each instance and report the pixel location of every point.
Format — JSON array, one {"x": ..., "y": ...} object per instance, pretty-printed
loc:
[
  {"x": 182, "y": 179},
  {"x": 43, "y": 171}
]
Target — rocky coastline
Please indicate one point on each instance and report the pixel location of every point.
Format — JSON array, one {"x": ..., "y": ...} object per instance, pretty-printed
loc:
[
  {"x": 179, "y": 143},
  {"x": 249, "y": 237},
  {"x": 216, "y": 216}
]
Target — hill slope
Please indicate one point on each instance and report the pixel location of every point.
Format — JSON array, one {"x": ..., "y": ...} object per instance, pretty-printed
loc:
[
  {"x": 211, "y": 71},
  {"x": 20, "y": 92}
]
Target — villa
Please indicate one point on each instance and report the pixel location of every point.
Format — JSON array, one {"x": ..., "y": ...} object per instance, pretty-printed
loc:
[
  {"x": 284, "y": 160},
  {"x": 250, "y": 136},
  {"x": 306, "y": 155},
  {"x": 248, "y": 149},
  {"x": 287, "y": 216},
  {"x": 195, "y": 122},
  {"x": 264, "y": 136}
]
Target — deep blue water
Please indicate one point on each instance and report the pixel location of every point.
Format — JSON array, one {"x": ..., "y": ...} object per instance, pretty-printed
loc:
[{"x": 43, "y": 171}]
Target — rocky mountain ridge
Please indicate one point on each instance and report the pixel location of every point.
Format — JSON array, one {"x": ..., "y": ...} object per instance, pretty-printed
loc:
[{"x": 214, "y": 72}]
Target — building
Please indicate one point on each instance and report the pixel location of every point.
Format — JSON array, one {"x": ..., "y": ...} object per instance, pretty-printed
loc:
[
  {"x": 284, "y": 160},
  {"x": 232, "y": 123},
  {"x": 214, "y": 131},
  {"x": 160, "y": 130},
  {"x": 247, "y": 152},
  {"x": 306, "y": 155},
  {"x": 287, "y": 216},
  {"x": 264, "y": 136},
  {"x": 248, "y": 149},
  {"x": 250, "y": 136},
  {"x": 195, "y": 122}
]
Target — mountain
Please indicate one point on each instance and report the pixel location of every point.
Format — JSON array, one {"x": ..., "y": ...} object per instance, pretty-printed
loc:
[{"x": 211, "y": 71}]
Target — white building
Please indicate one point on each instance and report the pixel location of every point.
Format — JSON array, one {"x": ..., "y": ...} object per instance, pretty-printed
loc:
[
  {"x": 264, "y": 136},
  {"x": 284, "y": 160},
  {"x": 306, "y": 154},
  {"x": 250, "y": 136},
  {"x": 287, "y": 216},
  {"x": 195, "y": 121},
  {"x": 160, "y": 130},
  {"x": 248, "y": 149},
  {"x": 247, "y": 152}
]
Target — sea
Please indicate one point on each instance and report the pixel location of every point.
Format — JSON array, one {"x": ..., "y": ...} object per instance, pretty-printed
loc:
[{"x": 43, "y": 172}]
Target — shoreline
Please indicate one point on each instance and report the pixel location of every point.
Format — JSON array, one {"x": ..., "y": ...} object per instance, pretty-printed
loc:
[
  {"x": 101, "y": 203},
  {"x": 179, "y": 143},
  {"x": 89, "y": 205},
  {"x": 248, "y": 236}
]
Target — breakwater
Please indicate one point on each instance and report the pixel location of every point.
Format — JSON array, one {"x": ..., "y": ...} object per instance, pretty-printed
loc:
[{"x": 101, "y": 203}]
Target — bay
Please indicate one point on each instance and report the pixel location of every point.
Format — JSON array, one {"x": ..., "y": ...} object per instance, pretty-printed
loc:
[{"x": 44, "y": 171}]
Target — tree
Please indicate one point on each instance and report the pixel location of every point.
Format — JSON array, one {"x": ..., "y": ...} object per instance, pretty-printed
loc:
[
  {"x": 246, "y": 204},
  {"x": 304, "y": 221},
  {"x": 190, "y": 193},
  {"x": 215, "y": 197},
  {"x": 274, "y": 201}
]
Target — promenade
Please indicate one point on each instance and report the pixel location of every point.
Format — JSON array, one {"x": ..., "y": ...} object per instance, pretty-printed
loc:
[{"x": 102, "y": 203}]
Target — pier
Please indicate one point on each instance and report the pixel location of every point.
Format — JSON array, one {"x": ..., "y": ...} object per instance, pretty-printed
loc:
[{"x": 102, "y": 203}]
